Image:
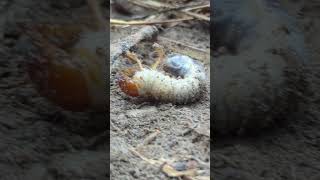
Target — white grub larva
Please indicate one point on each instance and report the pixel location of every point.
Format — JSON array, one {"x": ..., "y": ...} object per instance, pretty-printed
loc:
[{"x": 181, "y": 81}]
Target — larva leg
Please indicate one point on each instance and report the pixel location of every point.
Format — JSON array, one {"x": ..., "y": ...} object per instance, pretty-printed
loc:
[
  {"x": 160, "y": 53},
  {"x": 133, "y": 56}
]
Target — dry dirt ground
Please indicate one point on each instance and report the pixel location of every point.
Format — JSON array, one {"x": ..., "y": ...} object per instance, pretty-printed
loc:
[
  {"x": 135, "y": 119},
  {"x": 292, "y": 150}
]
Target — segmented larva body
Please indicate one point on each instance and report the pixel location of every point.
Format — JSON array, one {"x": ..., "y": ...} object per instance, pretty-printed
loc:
[{"x": 182, "y": 81}]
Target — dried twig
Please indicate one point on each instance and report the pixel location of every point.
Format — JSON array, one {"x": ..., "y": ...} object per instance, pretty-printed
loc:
[
  {"x": 150, "y": 161},
  {"x": 134, "y": 22},
  {"x": 149, "y": 4},
  {"x": 196, "y": 7},
  {"x": 155, "y": 5},
  {"x": 150, "y": 138},
  {"x": 126, "y": 43},
  {"x": 198, "y": 16}
]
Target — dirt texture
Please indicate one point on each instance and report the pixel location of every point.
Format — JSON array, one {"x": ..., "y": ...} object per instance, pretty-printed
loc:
[
  {"x": 287, "y": 150},
  {"x": 184, "y": 129},
  {"x": 39, "y": 139}
]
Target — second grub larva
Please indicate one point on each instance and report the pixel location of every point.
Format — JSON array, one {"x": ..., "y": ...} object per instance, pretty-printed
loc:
[{"x": 181, "y": 81}]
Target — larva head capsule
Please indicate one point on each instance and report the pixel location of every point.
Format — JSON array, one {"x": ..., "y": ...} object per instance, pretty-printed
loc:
[{"x": 126, "y": 84}]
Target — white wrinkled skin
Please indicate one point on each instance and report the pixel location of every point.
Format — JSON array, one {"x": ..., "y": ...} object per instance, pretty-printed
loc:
[{"x": 156, "y": 85}]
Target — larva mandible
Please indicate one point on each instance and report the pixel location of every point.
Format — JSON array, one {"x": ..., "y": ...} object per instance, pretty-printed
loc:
[{"x": 181, "y": 81}]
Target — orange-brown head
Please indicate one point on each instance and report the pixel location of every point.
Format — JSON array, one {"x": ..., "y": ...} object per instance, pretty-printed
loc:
[{"x": 126, "y": 84}]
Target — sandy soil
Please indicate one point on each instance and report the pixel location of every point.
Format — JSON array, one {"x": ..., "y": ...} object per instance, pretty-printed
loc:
[{"x": 290, "y": 151}]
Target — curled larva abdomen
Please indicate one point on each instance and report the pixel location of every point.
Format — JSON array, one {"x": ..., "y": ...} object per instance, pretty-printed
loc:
[{"x": 181, "y": 82}]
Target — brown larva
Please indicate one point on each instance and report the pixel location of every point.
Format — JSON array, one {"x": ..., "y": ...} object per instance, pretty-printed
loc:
[{"x": 181, "y": 81}]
